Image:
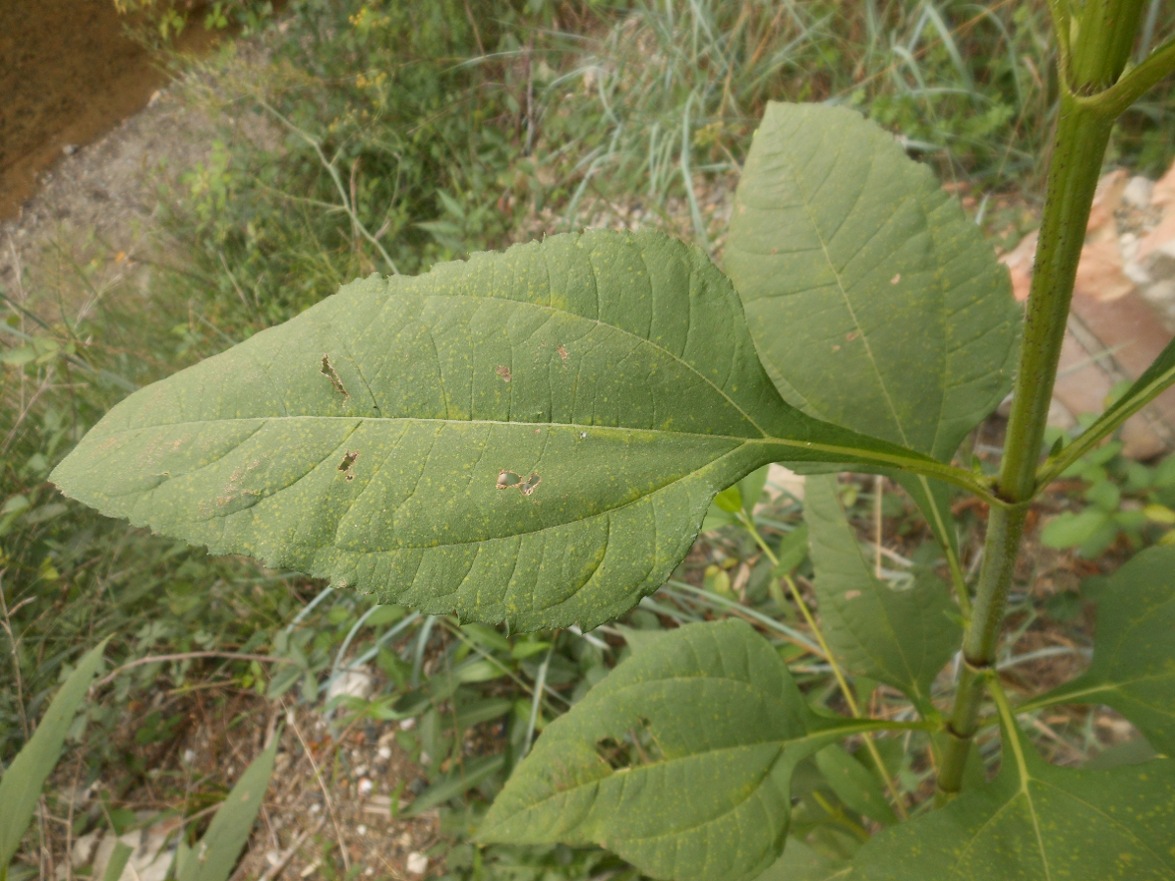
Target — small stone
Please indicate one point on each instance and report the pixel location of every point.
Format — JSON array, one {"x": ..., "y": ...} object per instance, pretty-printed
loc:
[
  {"x": 1138, "y": 192},
  {"x": 1160, "y": 263},
  {"x": 351, "y": 683},
  {"x": 365, "y": 786},
  {"x": 417, "y": 863},
  {"x": 384, "y": 753},
  {"x": 1160, "y": 293},
  {"x": 1137, "y": 273}
]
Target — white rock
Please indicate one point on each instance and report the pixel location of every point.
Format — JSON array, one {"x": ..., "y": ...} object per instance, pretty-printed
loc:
[
  {"x": 1161, "y": 292},
  {"x": 356, "y": 683},
  {"x": 417, "y": 863},
  {"x": 1137, "y": 273},
  {"x": 151, "y": 852},
  {"x": 1138, "y": 192}
]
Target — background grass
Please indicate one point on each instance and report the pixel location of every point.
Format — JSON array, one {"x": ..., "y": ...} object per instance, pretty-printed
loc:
[{"x": 386, "y": 137}]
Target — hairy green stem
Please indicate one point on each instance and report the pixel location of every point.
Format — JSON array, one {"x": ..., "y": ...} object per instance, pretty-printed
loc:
[
  {"x": 1078, "y": 146},
  {"x": 1099, "y": 48}
]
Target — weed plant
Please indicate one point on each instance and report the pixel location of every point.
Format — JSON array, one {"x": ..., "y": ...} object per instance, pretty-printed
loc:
[{"x": 395, "y": 135}]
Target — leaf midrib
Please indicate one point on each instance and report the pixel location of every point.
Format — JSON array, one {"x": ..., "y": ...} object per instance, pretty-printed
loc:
[
  {"x": 599, "y": 322},
  {"x": 574, "y": 426}
]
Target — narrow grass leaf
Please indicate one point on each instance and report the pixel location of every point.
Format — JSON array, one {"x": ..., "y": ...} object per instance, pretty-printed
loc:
[
  {"x": 21, "y": 785},
  {"x": 531, "y": 436},
  {"x": 708, "y": 710},
  {"x": 900, "y": 637},
  {"x": 119, "y": 857},
  {"x": 215, "y": 857},
  {"x": 467, "y": 777}
]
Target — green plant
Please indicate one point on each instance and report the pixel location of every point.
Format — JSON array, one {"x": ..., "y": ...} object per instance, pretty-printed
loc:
[
  {"x": 168, "y": 19},
  {"x": 212, "y": 859},
  {"x": 535, "y": 437},
  {"x": 1121, "y": 498}
]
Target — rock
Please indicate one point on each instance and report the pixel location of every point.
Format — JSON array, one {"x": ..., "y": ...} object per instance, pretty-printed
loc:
[
  {"x": 1137, "y": 193},
  {"x": 152, "y": 851},
  {"x": 1161, "y": 293},
  {"x": 417, "y": 863},
  {"x": 356, "y": 683}
]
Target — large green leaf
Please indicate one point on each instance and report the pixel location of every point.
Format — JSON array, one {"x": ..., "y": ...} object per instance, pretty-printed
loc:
[
  {"x": 716, "y": 725},
  {"x": 1036, "y": 822},
  {"x": 1133, "y": 666},
  {"x": 531, "y": 436},
  {"x": 852, "y": 262},
  {"x": 902, "y": 637},
  {"x": 20, "y": 787}
]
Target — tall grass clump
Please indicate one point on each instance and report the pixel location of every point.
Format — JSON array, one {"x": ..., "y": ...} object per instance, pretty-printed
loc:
[{"x": 382, "y": 149}]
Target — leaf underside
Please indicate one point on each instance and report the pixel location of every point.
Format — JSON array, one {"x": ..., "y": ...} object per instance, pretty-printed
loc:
[
  {"x": 1036, "y": 821},
  {"x": 715, "y": 724},
  {"x": 532, "y": 436},
  {"x": 853, "y": 262},
  {"x": 1133, "y": 665},
  {"x": 901, "y": 637}
]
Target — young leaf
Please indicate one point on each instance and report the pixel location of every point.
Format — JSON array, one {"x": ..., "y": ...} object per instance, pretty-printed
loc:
[
  {"x": 20, "y": 787},
  {"x": 715, "y": 724},
  {"x": 531, "y": 436},
  {"x": 214, "y": 858},
  {"x": 852, "y": 261},
  {"x": 1133, "y": 666},
  {"x": 901, "y": 637},
  {"x": 1153, "y": 382},
  {"x": 1036, "y": 821}
]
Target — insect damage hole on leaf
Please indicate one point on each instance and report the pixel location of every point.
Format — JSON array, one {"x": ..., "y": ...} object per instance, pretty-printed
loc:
[
  {"x": 329, "y": 372},
  {"x": 638, "y": 746},
  {"x": 510, "y": 479},
  {"x": 503, "y": 372},
  {"x": 347, "y": 465}
]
